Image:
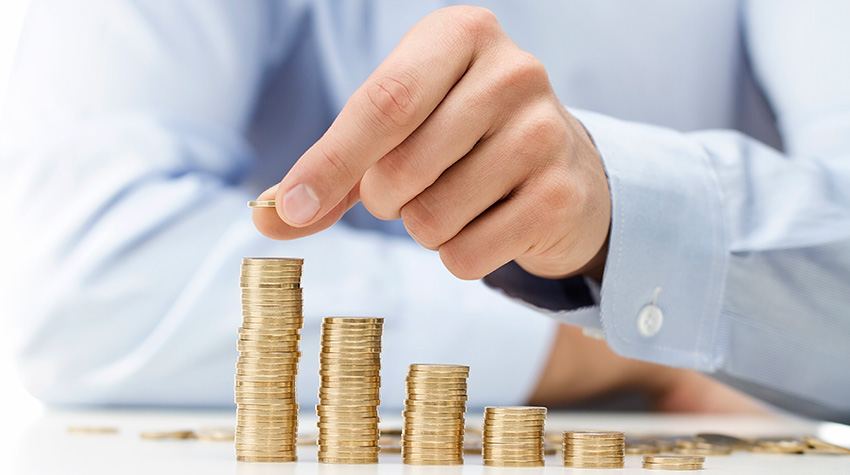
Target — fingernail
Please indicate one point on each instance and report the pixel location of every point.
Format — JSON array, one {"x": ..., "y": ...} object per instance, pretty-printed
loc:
[{"x": 300, "y": 204}]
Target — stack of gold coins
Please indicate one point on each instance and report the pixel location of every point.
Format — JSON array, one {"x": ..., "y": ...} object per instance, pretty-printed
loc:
[
  {"x": 433, "y": 414},
  {"x": 513, "y": 436},
  {"x": 673, "y": 462},
  {"x": 349, "y": 391},
  {"x": 586, "y": 449},
  {"x": 266, "y": 408}
]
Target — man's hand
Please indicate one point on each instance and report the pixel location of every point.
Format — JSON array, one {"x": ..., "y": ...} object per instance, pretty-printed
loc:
[{"x": 458, "y": 133}]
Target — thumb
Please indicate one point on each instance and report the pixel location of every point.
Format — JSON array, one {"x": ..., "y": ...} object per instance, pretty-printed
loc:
[{"x": 268, "y": 220}]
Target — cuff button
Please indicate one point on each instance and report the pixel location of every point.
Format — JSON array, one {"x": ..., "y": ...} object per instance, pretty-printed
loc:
[{"x": 649, "y": 320}]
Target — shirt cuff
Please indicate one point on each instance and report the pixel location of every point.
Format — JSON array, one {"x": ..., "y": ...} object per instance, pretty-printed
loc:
[{"x": 667, "y": 245}]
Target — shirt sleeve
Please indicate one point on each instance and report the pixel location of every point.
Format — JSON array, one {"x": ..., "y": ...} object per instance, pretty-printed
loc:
[
  {"x": 122, "y": 179},
  {"x": 745, "y": 250}
]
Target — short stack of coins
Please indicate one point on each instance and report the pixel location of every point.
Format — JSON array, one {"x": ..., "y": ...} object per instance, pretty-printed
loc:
[
  {"x": 588, "y": 449},
  {"x": 349, "y": 391},
  {"x": 513, "y": 436},
  {"x": 433, "y": 414},
  {"x": 266, "y": 408},
  {"x": 673, "y": 462}
]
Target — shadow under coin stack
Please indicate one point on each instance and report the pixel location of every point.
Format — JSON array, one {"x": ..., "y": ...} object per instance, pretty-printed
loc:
[
  {"x": 349, "y": 391},
  {"x": 266, "y": 408},
  {"x": 433, "y": 415},
  {"x": 587, "y": 449},
  {"x": 513, "y": 436}
]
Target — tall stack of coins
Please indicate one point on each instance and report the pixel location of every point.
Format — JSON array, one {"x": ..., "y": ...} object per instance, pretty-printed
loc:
[
  {"x": 349, "y": 392},
  {"x": 433, "y": 415},
  {"x": 513, "y": 436},
  {"x": 587, "y": 449},
  {"x": 266, "y": 408},
  {"x": 673, "y": 462}
]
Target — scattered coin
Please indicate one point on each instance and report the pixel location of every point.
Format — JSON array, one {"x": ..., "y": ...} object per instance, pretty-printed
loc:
[
  {"x": 92, "y": 430},
  {"x": 819, "y": 446},
  {"x": 176, "y": 434}
]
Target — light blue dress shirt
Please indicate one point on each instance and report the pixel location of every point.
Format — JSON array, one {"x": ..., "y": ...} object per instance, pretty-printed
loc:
[{"x": 136, "y": 131}]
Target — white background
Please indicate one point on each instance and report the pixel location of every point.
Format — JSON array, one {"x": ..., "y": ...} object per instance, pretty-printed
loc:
[{"x": 17, "y": 408}]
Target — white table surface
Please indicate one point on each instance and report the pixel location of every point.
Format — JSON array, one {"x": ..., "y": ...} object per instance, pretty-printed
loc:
[{"x": 46, "y": 447}]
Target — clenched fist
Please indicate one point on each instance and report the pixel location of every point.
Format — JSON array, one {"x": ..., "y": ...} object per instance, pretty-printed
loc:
[{"x": 458, "y": 133}]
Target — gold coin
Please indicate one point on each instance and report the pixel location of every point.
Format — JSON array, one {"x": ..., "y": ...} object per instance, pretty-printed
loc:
[
  {"x": 595, "y": 459},
  {"x": 653, "y": 466},
  {"x": 508, "y": 440},
  {"x": 360, "y": 337},
  {"x": 244, "y": 420},
  {"x": 266, "y": 332},
  {"x": 352, "y": 320},
  {"x": 260, "y": 270},
  {"x": 272, "y": 278},
  {"x": 439, "y": 368},
  {"x": 428, "y": 385},
  {"x": 515, "y": 410},
  {"x": 294, "y": 261},
  {"x": 513, "y": 432},
  {"x": 417, "y": 418},
  {"x": 345, "y": 444},
  {"x": 825, "y": 446},
  {"x": 245, "y": 434},
  {"x": 367, "y": 373},
  {"x": 508, "y": 451},
  {"x": 594, "y": 465},
  {"x": 441, "y": 461},
  {"x": 416, "y": 403},
  {"x": 283, "y": 360},
  {"x": 668, "y": 459},
  {"x": 271, "y": 368},
  {"x": 282, "y": 383},
  {"x": 497, "y": 463},
  {"x": 331, "y": 417},
  {"x": 594, "y": 435},
  {"x": 177, "y": 434},
  {"x": 92, "y": 430}
]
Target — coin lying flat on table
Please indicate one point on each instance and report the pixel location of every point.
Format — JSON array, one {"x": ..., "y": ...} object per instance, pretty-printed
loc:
[
  {"x": 92, "y": 430},
  {"x": 261, "y": 204}
]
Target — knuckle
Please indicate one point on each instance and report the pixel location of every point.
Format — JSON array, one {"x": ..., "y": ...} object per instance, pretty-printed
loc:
[
  {"x": 524, "y": 72},
  {"x": 393, "y": 100},
  {"x": 460, "y": 261},
  {"x": 560, "y": 193},
  {"x": 545, "y": 130},
  {"x": 422, "y": 222},
  {"x": 477, "y": 22}
]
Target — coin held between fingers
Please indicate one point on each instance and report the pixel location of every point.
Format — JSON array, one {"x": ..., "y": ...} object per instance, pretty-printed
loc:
[{"x": 261, "y": 204}]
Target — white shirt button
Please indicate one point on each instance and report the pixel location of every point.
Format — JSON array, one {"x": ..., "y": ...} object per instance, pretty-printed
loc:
[{"x": 649, "y": 320}]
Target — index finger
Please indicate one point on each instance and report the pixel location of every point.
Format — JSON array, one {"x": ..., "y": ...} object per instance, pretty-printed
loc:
[{"x": 388, "y": 107}]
